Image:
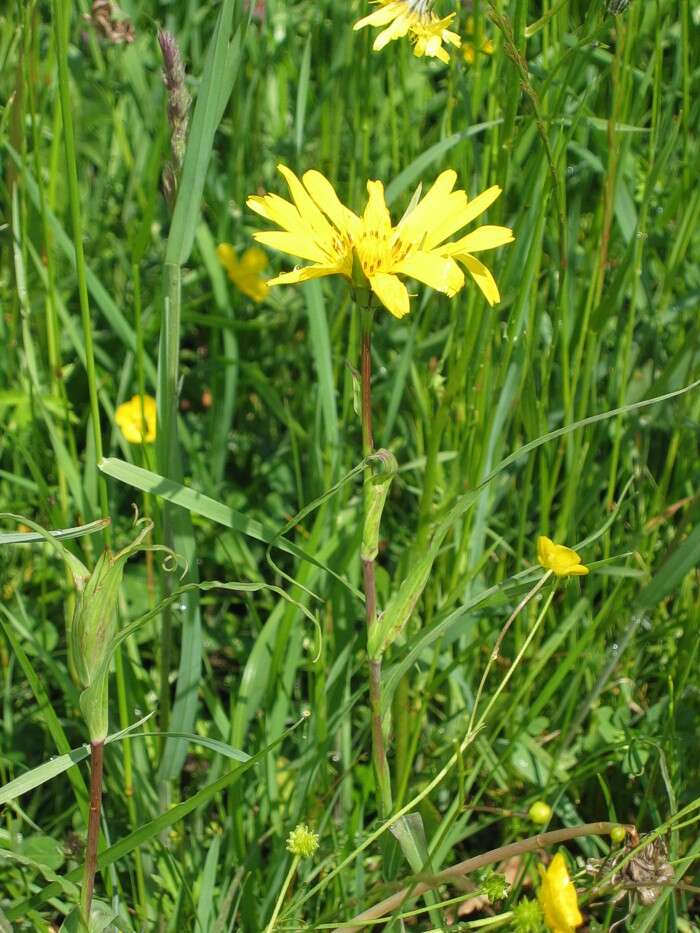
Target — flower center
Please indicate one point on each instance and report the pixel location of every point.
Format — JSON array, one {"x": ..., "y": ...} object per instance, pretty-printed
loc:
[{"x": 379, "y": 250}]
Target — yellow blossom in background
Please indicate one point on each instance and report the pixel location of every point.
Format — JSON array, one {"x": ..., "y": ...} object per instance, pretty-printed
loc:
[
  {"x": 557, "y": 895},
  {"x": 414, "y": 19},
  {"x": 368, "y": 250},
  {"x": 245, "y": 273},
  {"x": 468, "y": 50},
  {"x": 133, "y": 416},
  {"x": 562, "y": 561}
]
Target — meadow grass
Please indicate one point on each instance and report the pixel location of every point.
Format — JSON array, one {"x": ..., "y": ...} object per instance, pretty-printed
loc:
[{"x": 240, "y": 705}]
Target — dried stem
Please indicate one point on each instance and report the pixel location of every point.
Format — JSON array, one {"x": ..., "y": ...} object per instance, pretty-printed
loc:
[{"x": 385, "y": 908}]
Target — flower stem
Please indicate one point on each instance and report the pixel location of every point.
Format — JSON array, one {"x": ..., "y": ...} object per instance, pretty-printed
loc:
[
  {"x": 379, "y": 759},
  {"x": 93, "y": 834},
  {"x": 283, "y": 893}
]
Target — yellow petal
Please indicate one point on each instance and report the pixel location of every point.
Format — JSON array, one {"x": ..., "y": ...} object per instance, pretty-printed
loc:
[
  {"x": 414, "y": 225},
  {"x": 480, "y": 203},
  {"x": 397, "y": 30},
  {"x": 449, "y": 219},
  {"x": 486, "y": 237},
  {"x": 253, "y": 260},
  {"x": 310, "y": 213},
  {"x": 392, "y": 293},
  {"x": 481, "y": 276},
  {"x": 305, "y": 273},
  {"x": 376, "y": 215},
  {"x": 292, "y": 243},
  {"x": 323, "y": 193},
  {"x": 444, "y": 275},
  {"x": 545, "y": 547},
  {"x": 227, "y": 258},
  {"x": 273, "y": 207},
  {"x": 382, "y": 16}
]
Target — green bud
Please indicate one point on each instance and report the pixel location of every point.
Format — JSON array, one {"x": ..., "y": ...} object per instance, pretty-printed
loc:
[
  {"x": 527, "y": 917},
  {"x": 93, "y": 629},
  {"x": 376, "y": 490},
  {"x": 494, "y": 886},
  {"x": 618, "y": 834},
  {"x": 540, "y": 812}
]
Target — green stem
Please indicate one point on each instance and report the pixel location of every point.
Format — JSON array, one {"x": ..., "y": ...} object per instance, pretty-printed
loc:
[
  {"x": 379, "y": 759},
  {"x": 93, "y": 836},
  {"x": 283, "y": 893}
]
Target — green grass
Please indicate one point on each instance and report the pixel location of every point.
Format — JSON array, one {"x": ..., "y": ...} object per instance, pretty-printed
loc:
[{"x": 589, "y": 123}]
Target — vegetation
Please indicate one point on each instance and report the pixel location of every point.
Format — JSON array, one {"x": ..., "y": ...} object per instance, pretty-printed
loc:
[{"x": 267, "y": 762}]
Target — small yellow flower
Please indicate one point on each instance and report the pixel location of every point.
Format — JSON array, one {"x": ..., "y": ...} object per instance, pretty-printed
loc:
[
  {"x": 245, "y": 272},
  {"x": 413, "y": 18},
  {"x": 131, "y": 420},
  {"x": 557, "y": 895},
  {"x": 302, "y": 841},
  {"x": 468, "y": 50},
  {"x": 561, "y": 560},
  {"x": 369, "y": 250}
]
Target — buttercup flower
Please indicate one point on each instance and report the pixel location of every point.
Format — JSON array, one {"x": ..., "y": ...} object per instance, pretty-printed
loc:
[
  {"x": 131, "y": 423},
  {"x": 368, "y": 250},
  {"x": 245, "y": 273},
  {"x": 413, "y": 18},
  {"x": 468, "y": 50},
  {"x": 557, "y": 895},
  {"x": 561, "y": 560}
]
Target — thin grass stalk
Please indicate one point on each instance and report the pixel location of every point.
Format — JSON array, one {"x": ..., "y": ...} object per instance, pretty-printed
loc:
[{"x": 379, "y": 759}]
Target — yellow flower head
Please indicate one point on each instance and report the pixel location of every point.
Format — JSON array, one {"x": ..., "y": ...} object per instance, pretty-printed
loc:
[
  {"x": 245, "y": 273},
  {"x": 557, "y": 895},
  {"x": 369, "y": 250},
  {"x": 137, "y": 419},
  {"x": 302, "y": 841},
  {"x": 468, "y": 51},
  {"x": 414, "y": 19},
  {"x": 561, "y": 560}
]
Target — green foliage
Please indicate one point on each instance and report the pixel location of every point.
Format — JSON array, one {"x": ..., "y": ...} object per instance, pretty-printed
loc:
[{"x": 499, "y": 419}]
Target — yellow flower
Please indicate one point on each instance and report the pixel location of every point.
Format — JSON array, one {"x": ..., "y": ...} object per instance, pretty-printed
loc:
[
  {"x": 413, "y": 18},
  {"x": 245, "y": 273},
  {"x": 129, "y": 419},
  {"x": 302, "y": 841},
  {"x": 561, "y": 560},
  {"x": 557, "y": 895},
  {"x": 468, "y": 50},
  {"x": 368, "y": 250}
]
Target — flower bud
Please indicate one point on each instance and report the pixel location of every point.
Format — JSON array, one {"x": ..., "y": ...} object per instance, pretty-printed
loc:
[{"x": 540, "y": 812}]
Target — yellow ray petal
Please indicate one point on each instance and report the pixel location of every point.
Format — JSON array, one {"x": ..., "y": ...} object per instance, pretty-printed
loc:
[
  {"x": 480, "y": 203},
  {"x": 273, "y": 207},
  {"x": 397, "y": 30},
  {"x": 382, "y": 16},
  {"x": 293, "y": 244},
  {"x": 310, "y": 213},
  {"x": 392, "y": 293},
  {"x": 450, "y": 219},
  {"x": 414, "y": 225},
  {"x": 376, "y": 215},
  {"x": 486, "y": 237},
  {"x": 303, "y": 274},
  {"x": 482, "y": 277},
  {"x": 323, "y": 193},
  {"x": 444, "y": 275}
]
